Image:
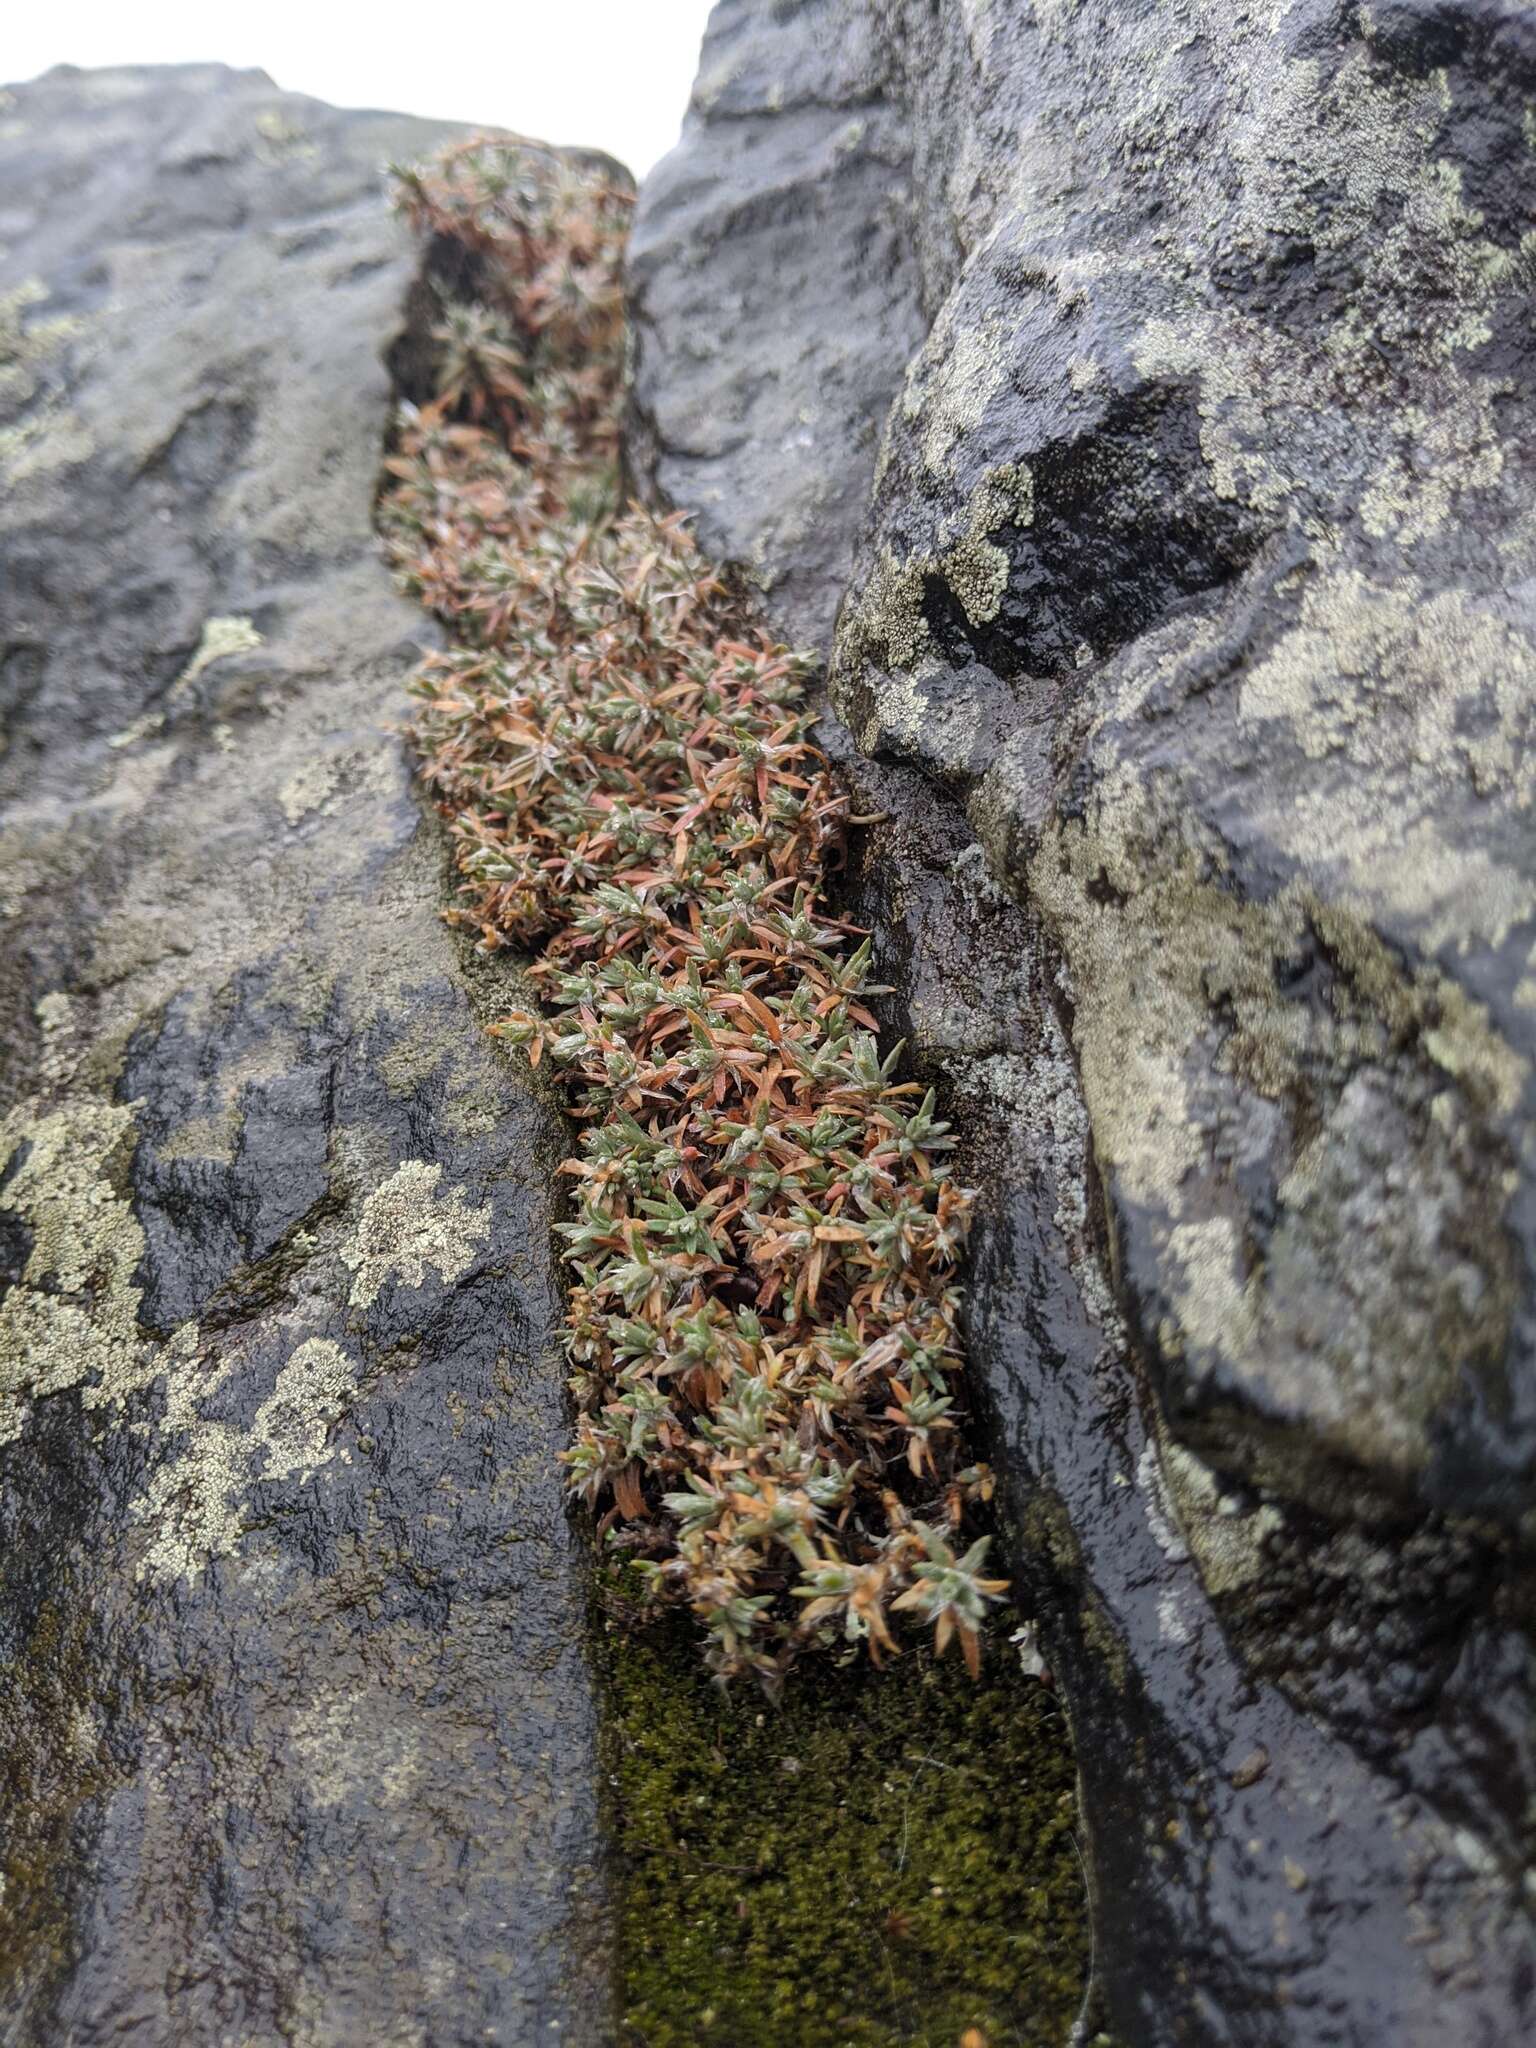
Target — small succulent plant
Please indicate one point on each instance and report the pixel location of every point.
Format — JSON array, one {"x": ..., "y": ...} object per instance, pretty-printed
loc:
[{"x": 765, "y": 1236}]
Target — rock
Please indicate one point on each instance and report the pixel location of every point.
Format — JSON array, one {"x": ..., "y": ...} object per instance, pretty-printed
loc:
[
  {"x": 1194, "y": 566},
  {"x": 1188, "y": 646},
  {"x": 767, "y": 416},
  {"x": 297, "y": 1735}
]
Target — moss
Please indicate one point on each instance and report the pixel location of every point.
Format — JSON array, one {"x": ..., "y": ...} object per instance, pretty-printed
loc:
[
  {"x": 885, "y": 1857},
  {"x": 48, "y": 1688}
]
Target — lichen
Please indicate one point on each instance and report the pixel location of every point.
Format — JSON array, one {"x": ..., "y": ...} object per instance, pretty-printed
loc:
[
  {"x": 1227, "y": 1534},
  {"x": 888, "y": 623},
  {"x": 198, "y": 1501},
  {"x": 405, "y": 1228},
  {"x": 312, "y": 1392},
  {"x": 221, "y": 637},
  {"x": 348, "y": 1756},
  {"x": 71, "y": 1318},
  {"x": 308, "y": 788},
  {"x": 1398, "y": 1061},
  {"x": 40, "y": 432}
]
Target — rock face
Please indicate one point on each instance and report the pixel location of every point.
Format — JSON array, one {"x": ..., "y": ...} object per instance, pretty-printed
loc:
[
  {"x": 296, "y": 1737},
  {"x": 1184, "y": 627}
]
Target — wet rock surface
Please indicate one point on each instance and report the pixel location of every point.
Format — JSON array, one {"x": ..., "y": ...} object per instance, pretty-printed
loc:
[
  {"x": 1187, "y": 647},
  {"x": 762, "y": 411},
  {"x": 296, "y": 1737}
]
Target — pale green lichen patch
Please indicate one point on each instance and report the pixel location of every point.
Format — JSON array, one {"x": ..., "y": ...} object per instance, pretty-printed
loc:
[
  {"x": 1159, "y": 945},
  {"x": 221, "y": 636},
  {"x": 27, "y": 346},
  {"x": 198, "y": 1502},
  {"x": 349, "y": 1754},
  {"x": 308, "y": 788},
  {"x": 313, "y": 1391},
  {"x": 887, "y": 624},
  {"x": 191, "y": 1502},
  {"x": 405, "y": 1230},
  {"x": 71, "y": 1318},
  {"x": 976, "y": 568},
  {"x": 71, "y": 1321},
  {"x": 953, "y": 380},
  {"x": 473, "y": 1103},
  {"x": 37, "y": 431},
  {"x": 1402, "y": 688},
  {"x": 280, "y": 138},
  {"x": 1425, "y": 281},
  {"x": 1227, "y": 1537}
]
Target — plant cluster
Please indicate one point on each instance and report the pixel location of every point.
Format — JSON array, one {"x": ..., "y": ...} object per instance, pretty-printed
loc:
[{"x": 763, "y": 1318}]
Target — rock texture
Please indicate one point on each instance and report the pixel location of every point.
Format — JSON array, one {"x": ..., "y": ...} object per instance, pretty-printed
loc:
[
  {"x": 1184, "y": 626},
  {"x": 296, "y": 1738}
]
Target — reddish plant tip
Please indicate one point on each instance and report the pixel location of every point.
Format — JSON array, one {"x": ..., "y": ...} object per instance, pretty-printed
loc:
[{"x": 763, "y": 1325}]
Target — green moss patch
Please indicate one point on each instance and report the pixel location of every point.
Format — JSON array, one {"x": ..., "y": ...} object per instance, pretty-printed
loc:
[{"x": 886, "y": 1857}]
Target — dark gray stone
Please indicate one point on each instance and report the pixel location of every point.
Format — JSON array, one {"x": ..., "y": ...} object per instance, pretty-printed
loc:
[
  {"x": 1188, "y": 648},
  {"x": 297, "y": 1741},
  {"x": 758, "y": 400}
]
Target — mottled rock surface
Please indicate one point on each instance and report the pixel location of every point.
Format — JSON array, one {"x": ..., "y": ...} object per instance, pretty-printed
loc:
[
  {"x": 1186, "y": 633},
  {"x": 759, "y": 407},
  {"x": 296, "y": 1737}
]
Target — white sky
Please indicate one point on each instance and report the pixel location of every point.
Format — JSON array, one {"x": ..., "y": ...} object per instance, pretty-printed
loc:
[{"x": 611, "y": 74}]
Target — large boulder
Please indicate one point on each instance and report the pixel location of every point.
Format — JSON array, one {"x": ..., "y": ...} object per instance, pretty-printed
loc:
[
  {"x": 296, "y": 1737},
  {"x": 1185, "y": 631}
]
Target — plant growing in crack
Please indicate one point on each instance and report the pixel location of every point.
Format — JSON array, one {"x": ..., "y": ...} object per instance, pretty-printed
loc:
[{"x": 764, "y": 1318}]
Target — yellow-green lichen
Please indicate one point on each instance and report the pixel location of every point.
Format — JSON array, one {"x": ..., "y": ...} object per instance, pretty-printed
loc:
[
  {"x": 280, "y": 138},
  {"x": 1402, "y": 689},
  {"x": 71, "y": 1320},
  {"x": 198, "y": 1502},
  {"x": 976, "y": 568},
  {"x": 404, "y": 1229},
  {"x": 351, "y": 1754},
  {"x": 41, "y": 433},
  {"x": 309, "y": 787},
  {"x": 1182, "y": 1003},
  {"x": 954, "y": 379},
  {"x": 221, "y": 637},
  {"x": 887, "y": 624},
  {"x": 1226, "y": 1535}
]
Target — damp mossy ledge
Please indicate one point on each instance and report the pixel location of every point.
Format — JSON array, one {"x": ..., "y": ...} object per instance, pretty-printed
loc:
[{"x": 887, "y": 1856}]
